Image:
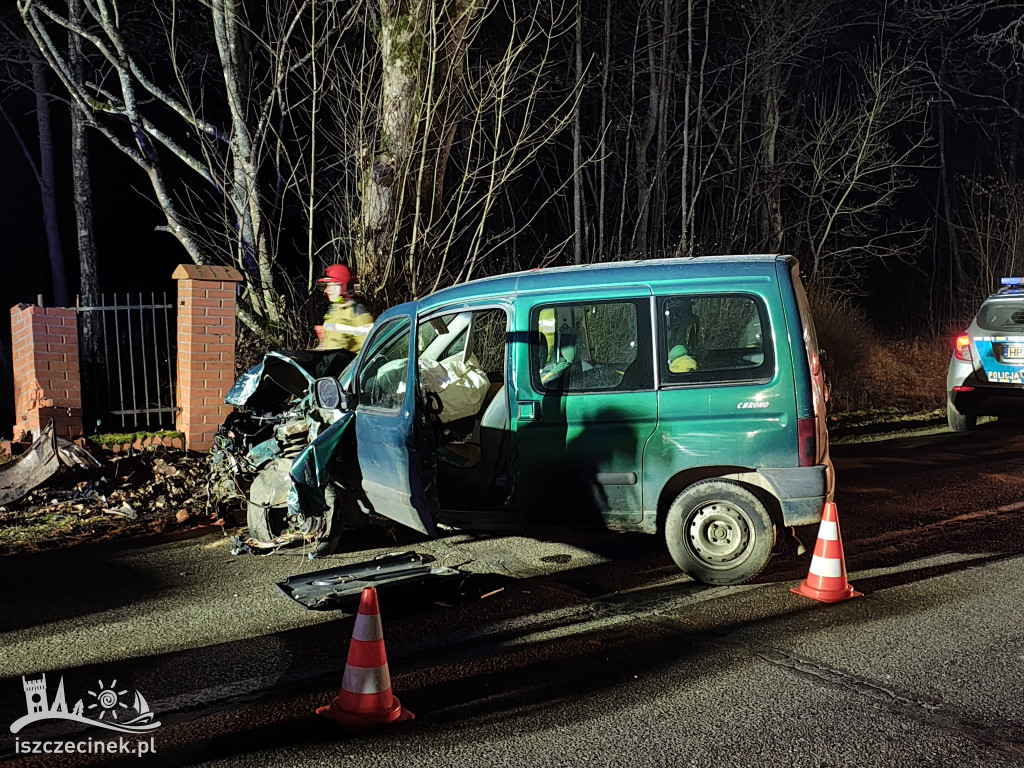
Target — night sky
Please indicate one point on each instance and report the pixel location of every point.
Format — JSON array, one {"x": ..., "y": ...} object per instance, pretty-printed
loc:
[{"x": 133, "y": 256}]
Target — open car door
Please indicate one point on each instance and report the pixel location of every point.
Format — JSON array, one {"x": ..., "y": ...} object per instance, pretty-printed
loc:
[{"x": 396, "y": 480}]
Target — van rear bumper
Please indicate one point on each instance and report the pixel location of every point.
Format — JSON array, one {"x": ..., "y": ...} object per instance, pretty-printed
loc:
[{"x": 801, "y": 491}]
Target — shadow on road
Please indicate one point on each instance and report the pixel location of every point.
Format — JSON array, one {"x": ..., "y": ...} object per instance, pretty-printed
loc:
[
  {"x": 539, "y": 687},
  {"x": 46, "y": 587}
]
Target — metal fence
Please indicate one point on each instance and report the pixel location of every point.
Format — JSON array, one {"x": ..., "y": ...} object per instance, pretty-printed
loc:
[{"x": 128, "y": 363}]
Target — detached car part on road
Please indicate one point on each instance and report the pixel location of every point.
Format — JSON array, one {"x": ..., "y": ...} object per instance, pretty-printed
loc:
[
  {"x": 677, "y": 396},
  {"x": 986, "y": 369}
]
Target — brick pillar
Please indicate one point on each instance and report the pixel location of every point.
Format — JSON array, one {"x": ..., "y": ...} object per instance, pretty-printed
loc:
[
  {"x": 47, "y": 383},
  {"x": 206, "y": 350}
]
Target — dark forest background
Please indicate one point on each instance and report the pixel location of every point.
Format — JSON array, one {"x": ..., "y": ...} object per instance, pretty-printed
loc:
[{"x": 427, "y": 143}]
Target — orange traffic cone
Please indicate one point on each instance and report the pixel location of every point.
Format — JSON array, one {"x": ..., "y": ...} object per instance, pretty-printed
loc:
[
  {"x": 826, "y": 580},
  {"x": 365, "y": 700}
]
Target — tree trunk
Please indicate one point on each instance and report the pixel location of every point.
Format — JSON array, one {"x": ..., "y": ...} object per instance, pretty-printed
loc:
[
  {"x": 644, "y": 183},
  {"x": 684, "y": 190},
  {"x": 771, "y": 234},
  {"x": 401, "y": 39},
  {"x": 601, "y": 255},
  {"x": 47, "y": 184},
  {"x": 88, "y": 277},
  {"x": 423, "y": 53},
  {"x": 659, "y": 203},
  {"x": 577, "y": 153},
  {"x": 254, "y": 251}
]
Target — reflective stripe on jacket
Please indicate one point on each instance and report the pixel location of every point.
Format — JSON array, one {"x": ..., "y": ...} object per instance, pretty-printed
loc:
[{"x": 346, "y": 325}]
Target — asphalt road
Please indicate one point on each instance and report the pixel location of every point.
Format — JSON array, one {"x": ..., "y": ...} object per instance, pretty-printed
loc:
[{"x": 586, "y": 650}]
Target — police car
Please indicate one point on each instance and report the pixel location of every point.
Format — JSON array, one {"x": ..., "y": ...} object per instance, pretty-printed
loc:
[{"x": 986, "y": 369}]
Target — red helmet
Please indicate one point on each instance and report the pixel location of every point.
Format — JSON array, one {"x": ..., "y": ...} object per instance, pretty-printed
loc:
[{"x": 337, "y": 273}]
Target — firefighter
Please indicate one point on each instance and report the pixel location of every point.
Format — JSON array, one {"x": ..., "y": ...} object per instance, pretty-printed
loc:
[{"x": 347, "y": 321}]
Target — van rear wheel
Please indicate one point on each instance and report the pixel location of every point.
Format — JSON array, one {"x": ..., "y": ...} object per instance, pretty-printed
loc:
[{"x": 718, "y": 532}]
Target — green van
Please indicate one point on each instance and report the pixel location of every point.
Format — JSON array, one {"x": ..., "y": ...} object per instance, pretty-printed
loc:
[{"x": 677, "y": 396}]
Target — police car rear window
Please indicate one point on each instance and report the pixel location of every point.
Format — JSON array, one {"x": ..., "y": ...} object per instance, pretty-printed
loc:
[{"x": 1002, "y": 315}]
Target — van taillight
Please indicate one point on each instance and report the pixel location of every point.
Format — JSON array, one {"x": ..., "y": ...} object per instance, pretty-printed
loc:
[
  {"x": 963, "y": 348},
  {"x": 807, "y": 434}
]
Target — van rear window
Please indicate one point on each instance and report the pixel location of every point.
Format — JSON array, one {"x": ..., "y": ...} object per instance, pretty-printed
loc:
[{"x": 715, "y": 339}]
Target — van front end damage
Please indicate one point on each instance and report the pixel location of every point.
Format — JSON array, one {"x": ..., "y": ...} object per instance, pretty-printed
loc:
[{"x": 277, "y": 425}]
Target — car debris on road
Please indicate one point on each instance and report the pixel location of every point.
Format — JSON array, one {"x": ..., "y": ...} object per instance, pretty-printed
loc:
[
  {"x": 47, "y": 454},
  {"x": 79, "y": 498},
  {"x": 392, "y": 573}
]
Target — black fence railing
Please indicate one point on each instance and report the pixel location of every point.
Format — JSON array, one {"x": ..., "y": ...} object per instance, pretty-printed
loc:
[{"x": 127, "y": 351}]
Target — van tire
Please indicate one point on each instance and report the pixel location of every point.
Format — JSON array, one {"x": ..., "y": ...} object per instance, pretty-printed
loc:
[
  {"x": 960, "y": 421},
  {"x": 719, "y": 532},
  {"x": 266, "y": 523}
]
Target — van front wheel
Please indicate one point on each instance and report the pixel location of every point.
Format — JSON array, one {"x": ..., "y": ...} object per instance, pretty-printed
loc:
[{"x": 718, "y": 532}]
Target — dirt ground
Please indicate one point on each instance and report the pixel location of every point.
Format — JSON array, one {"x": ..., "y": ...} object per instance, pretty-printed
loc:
[{"x": 131, "y": 496}]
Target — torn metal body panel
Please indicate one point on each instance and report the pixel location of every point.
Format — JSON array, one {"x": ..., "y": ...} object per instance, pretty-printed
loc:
[
  {"x": 309, "y": 475},
  {"x": 336, "y": 587},
  {"x": 277, "y": 423},
  {"x": 31, "y": 469}
]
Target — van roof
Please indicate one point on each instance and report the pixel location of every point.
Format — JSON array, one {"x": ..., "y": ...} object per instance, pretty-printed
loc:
[{"x": 603, "y": 273}]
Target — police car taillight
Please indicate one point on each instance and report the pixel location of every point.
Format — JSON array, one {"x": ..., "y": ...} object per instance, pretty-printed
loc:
[
  {"x": 807, "y": 437},
  {"x": 962, "y": 350}
]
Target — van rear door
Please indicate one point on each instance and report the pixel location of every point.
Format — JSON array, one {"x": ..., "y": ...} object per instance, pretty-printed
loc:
[{"x": 812, "y": 407}]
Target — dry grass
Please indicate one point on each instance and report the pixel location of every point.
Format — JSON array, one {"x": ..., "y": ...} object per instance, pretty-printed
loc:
[{"x": 869, "y": 372}]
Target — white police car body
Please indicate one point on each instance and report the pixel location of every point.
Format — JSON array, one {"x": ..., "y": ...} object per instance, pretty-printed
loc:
[{"x": 986, "y": 369}]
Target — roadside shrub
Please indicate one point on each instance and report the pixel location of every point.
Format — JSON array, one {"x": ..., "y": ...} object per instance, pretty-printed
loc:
[{"x": 867, "y": 371}]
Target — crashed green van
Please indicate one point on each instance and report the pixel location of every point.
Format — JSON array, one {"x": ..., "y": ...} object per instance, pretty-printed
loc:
[{"x": 682, "y": 397}]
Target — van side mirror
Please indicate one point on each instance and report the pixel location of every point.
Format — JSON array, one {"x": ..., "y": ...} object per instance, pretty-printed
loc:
[{"x": 327, "y": 393}]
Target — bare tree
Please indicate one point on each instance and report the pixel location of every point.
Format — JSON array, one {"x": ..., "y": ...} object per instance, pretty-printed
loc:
[
  {"x": 163, "y": 126},
  {"x": 859, "y": 152},
  {"x": 25, "y": 70},
  {"x": 990, "y": 229},
  {"x": 427, "y": 200}
]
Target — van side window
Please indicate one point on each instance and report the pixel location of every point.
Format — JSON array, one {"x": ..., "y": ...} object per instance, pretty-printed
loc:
[
  {"x": 597, "y": 347},
  {"x": 715, "y": 339},
  {"x": 383, "y": 372}
]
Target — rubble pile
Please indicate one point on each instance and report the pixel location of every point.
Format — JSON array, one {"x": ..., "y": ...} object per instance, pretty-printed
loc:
[{"x": 136, "y": 494}]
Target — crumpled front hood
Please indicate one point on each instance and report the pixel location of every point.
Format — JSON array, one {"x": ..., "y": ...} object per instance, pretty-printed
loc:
[{"x": 282, "y": 376}]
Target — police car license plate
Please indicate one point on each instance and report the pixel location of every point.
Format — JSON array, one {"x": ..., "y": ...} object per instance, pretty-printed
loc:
[{"x": 1013, "y": 353}]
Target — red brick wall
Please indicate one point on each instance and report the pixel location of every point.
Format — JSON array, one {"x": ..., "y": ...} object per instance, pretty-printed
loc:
[
  {"x": 206, "y": 350},
  {"x": 47, "y": 384}
]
